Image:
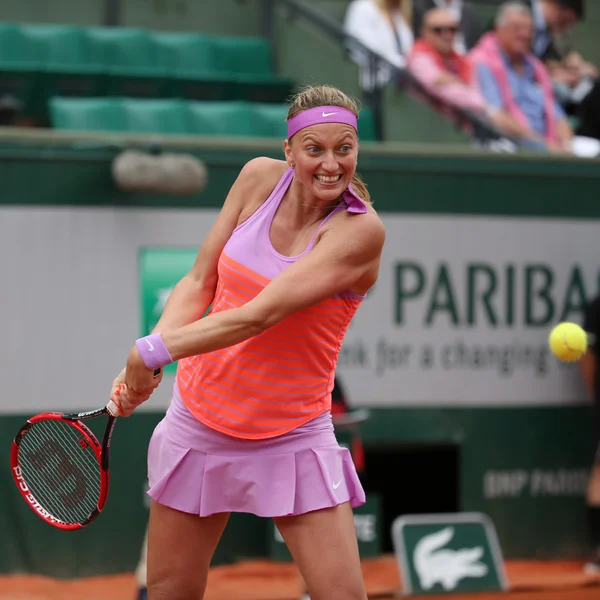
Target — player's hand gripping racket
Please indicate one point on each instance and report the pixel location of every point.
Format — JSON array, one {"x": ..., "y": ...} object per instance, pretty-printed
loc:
[{"x": 60, "y": 467}]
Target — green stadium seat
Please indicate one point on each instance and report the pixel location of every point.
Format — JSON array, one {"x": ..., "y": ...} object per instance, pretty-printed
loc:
[
  {"x": 186, "y": 54},
  {"x": 19, "y": 66},
  {"x": 191, "y": 62},
  {"x": 235, "y": 118},
  {"x": 219, "y": 68},
  {"x": 166, "y": 116},
  {"x": 261, "y": 88},
  {"x": 87, "y": 114},
  {"x": 181, "y": 117},
  {"x": 56, "y": 46},
  {"x": 243, "y": 55},
  {"x": 130, "y": 61},
  {"x": 271, "y": 120},
  {"x": 250, "y": 62},
  {"x": 66, "y": 68},
  {"x": 39, "y": 61},
  {"x": 15, "y": 52},
  {"x": 366, "y": 126}
]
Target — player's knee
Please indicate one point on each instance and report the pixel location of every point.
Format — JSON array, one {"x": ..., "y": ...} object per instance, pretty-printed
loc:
[
  {"x": 339, "y": 594},
  {"x": 172, "y": 589},
  {"x": 341, "y": 590}
]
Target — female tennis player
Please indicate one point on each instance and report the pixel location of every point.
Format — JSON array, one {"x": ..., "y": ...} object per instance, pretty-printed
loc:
[{"x": 286, "y": 265}]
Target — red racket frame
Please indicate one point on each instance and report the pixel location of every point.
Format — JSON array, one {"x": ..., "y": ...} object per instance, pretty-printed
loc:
[{"x": 24, "y": 490}]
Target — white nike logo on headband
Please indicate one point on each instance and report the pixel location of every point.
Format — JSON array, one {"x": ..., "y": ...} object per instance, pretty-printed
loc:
[{"x": 328, "y": 114}]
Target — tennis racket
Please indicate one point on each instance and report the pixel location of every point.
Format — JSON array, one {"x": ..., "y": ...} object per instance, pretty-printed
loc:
[{"x": 60, "y": 467}]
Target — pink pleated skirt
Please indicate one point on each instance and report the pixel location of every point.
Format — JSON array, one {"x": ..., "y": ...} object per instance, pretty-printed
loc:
[{"x": 198, "y": 470}]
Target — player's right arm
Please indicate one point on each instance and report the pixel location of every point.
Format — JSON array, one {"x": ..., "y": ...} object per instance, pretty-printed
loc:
[{"x": 194, "y": 292}]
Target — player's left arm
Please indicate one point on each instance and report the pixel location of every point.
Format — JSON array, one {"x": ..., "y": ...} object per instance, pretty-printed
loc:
[{"x": 345, "y": 258}]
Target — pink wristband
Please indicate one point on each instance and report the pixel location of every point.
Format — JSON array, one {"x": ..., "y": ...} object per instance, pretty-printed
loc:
[{"x": 153, "y": 351}]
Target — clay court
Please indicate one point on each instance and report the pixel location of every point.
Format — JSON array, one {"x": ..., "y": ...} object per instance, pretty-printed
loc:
[{"x": 264, "y": 580}]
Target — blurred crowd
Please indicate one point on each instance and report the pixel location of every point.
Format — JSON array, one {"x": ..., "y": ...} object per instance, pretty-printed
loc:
[{"x": 517, "y": 73}]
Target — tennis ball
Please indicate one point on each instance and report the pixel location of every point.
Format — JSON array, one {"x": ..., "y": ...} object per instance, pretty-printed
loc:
[{"x": 568, "y": 341}]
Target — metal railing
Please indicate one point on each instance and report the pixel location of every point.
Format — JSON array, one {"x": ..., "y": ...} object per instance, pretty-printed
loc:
[{"x": 481, "y": 129}]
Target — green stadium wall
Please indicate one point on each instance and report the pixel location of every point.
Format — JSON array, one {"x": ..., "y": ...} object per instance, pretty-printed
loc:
[{"x": 503, "y": 247}]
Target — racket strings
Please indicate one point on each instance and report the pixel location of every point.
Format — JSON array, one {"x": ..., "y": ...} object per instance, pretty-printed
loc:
[{"x": 61, "y": 470}]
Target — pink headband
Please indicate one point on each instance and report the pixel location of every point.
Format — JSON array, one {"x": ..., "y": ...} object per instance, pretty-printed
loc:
[
  {"x": 329, "y": 114},
  {"x": 318, "y": 115}
]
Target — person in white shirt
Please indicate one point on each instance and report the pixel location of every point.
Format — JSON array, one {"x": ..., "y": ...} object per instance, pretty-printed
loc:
[{"x": 383, "y": 26}]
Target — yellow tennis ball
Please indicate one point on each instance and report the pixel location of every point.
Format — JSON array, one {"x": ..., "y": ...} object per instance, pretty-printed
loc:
[{"x": 568, "y": 341}]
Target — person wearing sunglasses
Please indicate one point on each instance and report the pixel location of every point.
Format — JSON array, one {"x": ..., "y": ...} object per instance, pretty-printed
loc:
[
  {"x": 470, "y": 25},
  {"x": 442, "y": 71}
]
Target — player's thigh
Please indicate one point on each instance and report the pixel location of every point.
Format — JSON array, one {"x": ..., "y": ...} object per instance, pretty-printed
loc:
[
  {"x": 180, "y": 548},
  {"x": 324, "y": 546}
]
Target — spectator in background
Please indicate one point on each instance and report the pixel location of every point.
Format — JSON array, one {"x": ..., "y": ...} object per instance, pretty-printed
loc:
[
  {"x": 587, "y": 108},
  {"x": 590, "y": 370},
  {"x": 574, "y": 79},
  {"x": 552, "y": 18},
  {"x": 442, "y": 71},
  {"x": 517, "y": 85},
  {"x": 383, "y": 26},
  {"x": 468, "y": 18}
]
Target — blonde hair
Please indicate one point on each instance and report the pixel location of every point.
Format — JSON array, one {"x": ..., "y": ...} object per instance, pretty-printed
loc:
[
  {"x": 312, "y": 96},
  {"x": 405, "y": 7}
]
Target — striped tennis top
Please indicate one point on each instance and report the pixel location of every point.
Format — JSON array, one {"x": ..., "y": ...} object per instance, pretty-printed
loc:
[{"x": 282, "y": 378}]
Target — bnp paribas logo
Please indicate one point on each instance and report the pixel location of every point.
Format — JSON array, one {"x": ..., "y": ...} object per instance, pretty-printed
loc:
[
  {"x": 160, "y": 268},
  {"x": 448, "y": 553}
]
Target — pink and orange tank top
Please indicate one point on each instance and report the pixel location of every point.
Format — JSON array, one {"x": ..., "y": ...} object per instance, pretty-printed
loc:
[{"x": 279, "y": 380}]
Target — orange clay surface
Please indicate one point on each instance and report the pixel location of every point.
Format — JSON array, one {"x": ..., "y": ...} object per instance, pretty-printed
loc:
[{"x": 266, "y": 580}]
